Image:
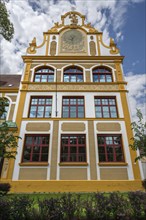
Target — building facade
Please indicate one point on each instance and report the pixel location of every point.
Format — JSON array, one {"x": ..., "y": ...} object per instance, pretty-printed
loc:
[{"x": 72, "y": 114}]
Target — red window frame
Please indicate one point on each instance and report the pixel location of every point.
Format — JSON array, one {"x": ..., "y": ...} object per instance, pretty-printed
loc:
[
  {"x": 110, "y": 148},
  {"x": 73, "y": 74},
  {"x": 102, "y": 74},
  {"x": 70, "y": 105},
  {"x": 107, "y": 109},
  {"x": 44, "y": 72},
  {"x": 36, "y": 148},
  {"x": 73, "y": 148},
  {"x": 36, "y": 105}
]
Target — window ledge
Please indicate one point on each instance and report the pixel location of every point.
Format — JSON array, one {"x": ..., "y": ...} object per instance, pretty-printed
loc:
[
  {"x": 73, "y": 164},
  {"x": 34, "y": 164},
  {"x": 113, "y": 164}
]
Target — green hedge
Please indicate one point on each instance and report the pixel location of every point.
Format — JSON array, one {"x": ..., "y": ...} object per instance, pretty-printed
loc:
[{"x": 67, "y": 206}]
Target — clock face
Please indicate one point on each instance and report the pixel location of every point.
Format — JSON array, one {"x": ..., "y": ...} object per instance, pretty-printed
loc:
[{"x": 72, "y": 41}]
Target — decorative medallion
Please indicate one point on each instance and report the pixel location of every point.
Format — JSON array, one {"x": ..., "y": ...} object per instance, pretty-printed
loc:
[{"x": 72, "y": 41}]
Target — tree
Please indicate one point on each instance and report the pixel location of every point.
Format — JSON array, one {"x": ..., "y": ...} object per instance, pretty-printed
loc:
[
  {"x": 8, "y": 137},
  {"x": 139, "y": 138},
  {"x": 6, "y": 27}
]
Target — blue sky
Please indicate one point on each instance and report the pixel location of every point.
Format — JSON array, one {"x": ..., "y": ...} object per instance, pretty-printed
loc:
[{"x": 123, "y": 20}]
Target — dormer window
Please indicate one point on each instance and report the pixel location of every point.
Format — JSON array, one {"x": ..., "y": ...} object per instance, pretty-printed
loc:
[
  {"x": 44, "y": 74},
  {"x": 73, "y": 74},
  {"x": 102, "y": 74}
]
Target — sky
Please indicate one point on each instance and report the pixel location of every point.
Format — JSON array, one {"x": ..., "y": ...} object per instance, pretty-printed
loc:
[{"x": 123, "y": 20}]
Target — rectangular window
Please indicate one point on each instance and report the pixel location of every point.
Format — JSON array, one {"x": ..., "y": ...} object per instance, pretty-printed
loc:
[
  {"x": 73, "y": 107},
  {"x": 105, "y": 107},
  {"x": 73, "y": 148},
  {"x": 40, "y": 107},
  {"x": 110, "y": 148},
  {"x": 36, "y": 148}
]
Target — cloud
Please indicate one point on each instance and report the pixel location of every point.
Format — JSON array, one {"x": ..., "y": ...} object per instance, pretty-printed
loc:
[
  {"x": 137, "y": 93},
  {"x": 32, "y": 18}
]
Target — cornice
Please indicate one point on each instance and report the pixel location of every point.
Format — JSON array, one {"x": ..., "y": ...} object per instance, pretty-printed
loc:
[
  {"x": 28, "y": 58},
  {"x": 9, "y": 90}
]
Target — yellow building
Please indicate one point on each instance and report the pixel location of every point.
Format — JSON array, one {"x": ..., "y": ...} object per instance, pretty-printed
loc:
[{"x": 72, "y": 114}]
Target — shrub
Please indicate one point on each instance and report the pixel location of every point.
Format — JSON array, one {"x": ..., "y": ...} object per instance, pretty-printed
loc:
[
  {"x": 21, "y": 208},
  {"x": 50, "y": 209},
  {"x": 119, "y": 206},
  {"x": 4, "y": 188},
  {"x": 138, "y": 204},
  {"x": 5, "y": 205},
  {"x": 71, "y": 206}
]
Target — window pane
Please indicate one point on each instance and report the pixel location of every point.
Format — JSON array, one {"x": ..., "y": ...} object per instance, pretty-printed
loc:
[
  {"x": 106, "y": 112},
  {"x": 104, "y": 101},
  {"x": 100, "y": 140},
  {"x": 41, "y": 101},
  {"x": 40, "y": 112},
  {"x": 32, "y": 112},
  {"x": 98, "y": 112},
  {"x": 34, "y": 101},
  {"x": 109, "y": 140},
  {"x": 44, "y": 78},
  {"x": 44, "y": 157},
  {"x": 65, "y": 101},
  {"x": 79, "y": 78},
  {"x": 48, "y": 111},
  {"x": 37, "y": 78},
  {"x": 95, "y": 78},
  {"x": 35, "y": 157},
  {"x": 66, "y": 78},
  {"x": 108, "y": 78},
  {"x": 50, "y": 78},
  {"x": 65, "y": 111},
  {"x": 80, "y": 101},
  {"x": 102, "y": 78},
  {"x": 72, "y": 78},
  {"x": 73, "y": 101}
]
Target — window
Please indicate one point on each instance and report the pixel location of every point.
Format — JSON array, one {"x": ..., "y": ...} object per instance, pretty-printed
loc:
[
  {"x": 73, "y": 107},
  {"x": 73, "y": 148},
  {"x": 73, "y": 74},
  {"x": 102, "y": 74},
  {"x": 105, "y": 107},
  {"x": 110, "y": 148},
  {"x": 36, "y": 148},
  {"x": 4, "y": 106},
  {"x": 40, "y": 107},
  {"x": 44, "y": 74}
]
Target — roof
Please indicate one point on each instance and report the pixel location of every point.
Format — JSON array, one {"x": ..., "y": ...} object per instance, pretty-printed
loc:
[{"x": 11, "y": 81}]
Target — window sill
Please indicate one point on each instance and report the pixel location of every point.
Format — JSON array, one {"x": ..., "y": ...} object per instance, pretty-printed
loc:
[
  {"x": 113, "y": 164},
  {"x": 73, "y": 164},
  {"x": 34, "y": 164}
]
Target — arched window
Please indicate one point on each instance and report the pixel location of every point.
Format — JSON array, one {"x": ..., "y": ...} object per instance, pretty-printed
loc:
[
  {"x": 102, "y": 74},
  {"x": 73, "y": 74},
  {"x": 4, "y": 106},
  {"x": 44, "y": 74}
]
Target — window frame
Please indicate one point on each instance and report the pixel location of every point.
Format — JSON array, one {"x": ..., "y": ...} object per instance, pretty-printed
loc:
[
  {"x": 102, "y": 73},
  {"x": 73, "y": 105},
  {"x": 102, "y": 105},
  {"x": 77, "y": 145},
  {"x": 76, "y": 74},
  {"x": 32, "y": 152},
  {"x": 40, "y": 97},
  {"x": 44, "y": 74},
  {"x": 104, "y": 146}
]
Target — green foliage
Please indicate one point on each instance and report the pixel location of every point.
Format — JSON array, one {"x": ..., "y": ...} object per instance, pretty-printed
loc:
[
  {"x": 8, "y": 139},
  {"x": 8, "y": 142},
  {"x": 139, "y": 139},
  {"x": 6, "y": 27},
  {"x": 71, "y": 206},
  {"x": 4, "y": 188}
]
